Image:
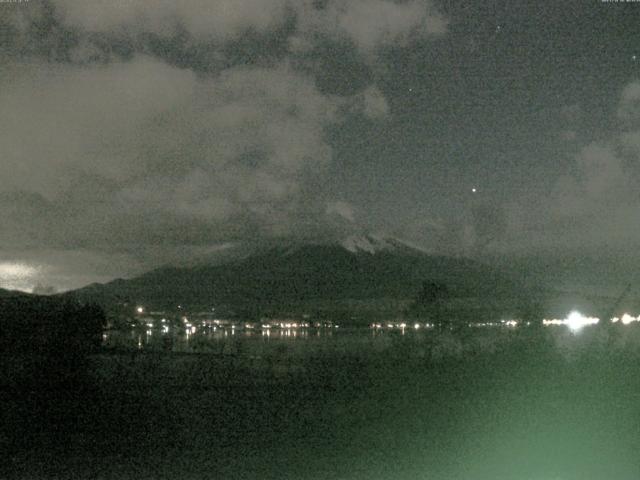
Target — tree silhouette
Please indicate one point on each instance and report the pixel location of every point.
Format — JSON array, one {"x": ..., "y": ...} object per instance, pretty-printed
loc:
[{"x": 49, "y": 325}]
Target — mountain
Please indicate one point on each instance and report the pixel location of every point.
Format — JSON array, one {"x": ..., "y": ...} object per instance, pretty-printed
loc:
[{"x": 366, "y": 270}]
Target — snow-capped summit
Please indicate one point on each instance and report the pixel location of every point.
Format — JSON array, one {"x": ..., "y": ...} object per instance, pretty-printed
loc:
[{"x": 373, "y": 243}]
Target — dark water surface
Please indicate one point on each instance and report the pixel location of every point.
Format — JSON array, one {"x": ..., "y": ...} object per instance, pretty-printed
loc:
[{"x": 497, "y": 404}]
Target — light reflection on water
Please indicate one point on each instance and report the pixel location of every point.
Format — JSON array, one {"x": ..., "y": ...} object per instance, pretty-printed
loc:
[
  {"x": 211, "y": 340},
  {"x": 212, "y": 336},
  {"x": 434, "y": 343}
]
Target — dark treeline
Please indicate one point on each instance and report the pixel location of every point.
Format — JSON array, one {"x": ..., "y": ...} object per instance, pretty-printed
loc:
[
  {"x": 49, "y": 325},
  {"x": 46, "y": 392}
]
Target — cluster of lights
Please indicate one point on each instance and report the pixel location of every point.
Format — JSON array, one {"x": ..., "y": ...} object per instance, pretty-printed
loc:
[
  {"x": 501, "y": 323},
  {"x": 483, "y": 324},
  {"x": 190, "y": 326},
  {"x": 575, "y": 321},
  {"x": 400, "y": 325},
  {"x": 626, "y": 319},
  {"x": 295, "y": 325},
  {"x": 288, "y": 325}
]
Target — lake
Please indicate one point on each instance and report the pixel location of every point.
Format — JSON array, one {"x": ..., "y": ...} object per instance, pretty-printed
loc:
[{"x": 496, "y": 403}]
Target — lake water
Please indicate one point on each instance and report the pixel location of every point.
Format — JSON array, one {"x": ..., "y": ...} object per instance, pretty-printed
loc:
[{"x": 480, "y": 404}]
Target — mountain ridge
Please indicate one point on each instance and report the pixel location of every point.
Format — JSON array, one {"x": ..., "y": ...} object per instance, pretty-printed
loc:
[{"x": 297, "y": 276}]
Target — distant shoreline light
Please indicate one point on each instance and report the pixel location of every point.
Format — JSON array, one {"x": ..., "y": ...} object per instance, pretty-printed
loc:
[
  {"x": 626, "y": 319},
  {"x": 575, "y": 321}
]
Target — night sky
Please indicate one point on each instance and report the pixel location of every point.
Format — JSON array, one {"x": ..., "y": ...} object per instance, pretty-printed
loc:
[{"x": 135, "y": 134}]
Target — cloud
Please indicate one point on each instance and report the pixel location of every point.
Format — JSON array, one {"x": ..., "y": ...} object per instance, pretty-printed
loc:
[
  {"x": 342, "y": 209},
  {"x": 592, "y": 204},
  {"x": 629, "y": 107},
  {"x": 139, "y": 152},
  {"x": 17, "y": 276},
  {"x": 598, "y": 180},
  {"x": 375, "y": 105},
  {"x": 213, "y": 19},
  {"x": 367, "y": 24},
  {"x": 588, "y": 208},
  {"x": 601, "y": 173},
  {"x": 571, "y": 117},
  {"x": 62, "y": 269},
  {"x": 149, "y": 131},
  {"x": 58, "y": 119}
]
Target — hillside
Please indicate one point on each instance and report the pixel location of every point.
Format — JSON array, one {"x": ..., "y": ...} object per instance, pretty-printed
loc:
[
  {"x": 12, "y": 293},
  {"x": 360, "y": 271}
]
